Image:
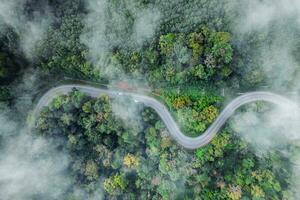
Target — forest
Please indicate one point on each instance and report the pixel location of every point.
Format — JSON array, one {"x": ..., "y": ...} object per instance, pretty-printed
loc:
[
  {"x": 142, "y": 162},
  {"x": 192, "y": 55}
]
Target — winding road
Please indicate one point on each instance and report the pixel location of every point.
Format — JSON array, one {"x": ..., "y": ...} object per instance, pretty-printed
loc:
[{"x": 162, "y": 111}]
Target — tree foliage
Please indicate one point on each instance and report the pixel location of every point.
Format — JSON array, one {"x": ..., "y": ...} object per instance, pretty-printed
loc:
[{"x": 151, "y": 165}]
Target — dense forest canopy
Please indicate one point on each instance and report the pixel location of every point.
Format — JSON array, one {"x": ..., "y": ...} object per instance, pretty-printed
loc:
[
  {"x": 193, "y": 55},
  {"x": 145, "y": 163}
]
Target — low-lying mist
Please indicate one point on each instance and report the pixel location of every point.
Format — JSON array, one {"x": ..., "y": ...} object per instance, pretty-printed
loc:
[
  {"x": 107, "y": 26},
  {"x": 278, "y": 23},
  {"x": 30, "y": 29},
  {"x": 32, "y": 167}
]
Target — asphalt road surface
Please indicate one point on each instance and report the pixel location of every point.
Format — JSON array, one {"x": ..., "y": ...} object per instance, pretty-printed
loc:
[{"x": 162, "y": 111}]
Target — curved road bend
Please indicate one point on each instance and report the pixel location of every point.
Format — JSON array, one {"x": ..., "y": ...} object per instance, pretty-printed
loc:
[{"x": 182, "y": 139}]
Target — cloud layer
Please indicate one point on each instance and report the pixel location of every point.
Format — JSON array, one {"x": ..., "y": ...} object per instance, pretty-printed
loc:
[
  {"x": 278, "y": 23},
  {"x": 31, "y": 29},
  {"x": 109, "y": 25}
]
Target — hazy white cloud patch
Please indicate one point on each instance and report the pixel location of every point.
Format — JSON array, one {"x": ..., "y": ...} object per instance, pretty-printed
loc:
[
  {"x": 31, "y": 167},
  {"x": 145, "y": 25},
  {"x": 109, "y": 25},
  {"x": 30, "y": 31}
]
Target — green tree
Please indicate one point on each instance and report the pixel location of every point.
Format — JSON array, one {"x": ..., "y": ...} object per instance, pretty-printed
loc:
[
  {"x": 166, "y": 43},
  {"x": 91, "y": 171},
  {"x": 115, "y": 184}
]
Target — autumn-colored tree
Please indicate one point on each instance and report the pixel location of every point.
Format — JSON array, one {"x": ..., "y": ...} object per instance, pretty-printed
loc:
[
  {"x": 181, "y": 102},
  {"x": 131, "y": 161},
  {"x": 234, "y": 192},
  {"x": 209, "y": 114}
]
